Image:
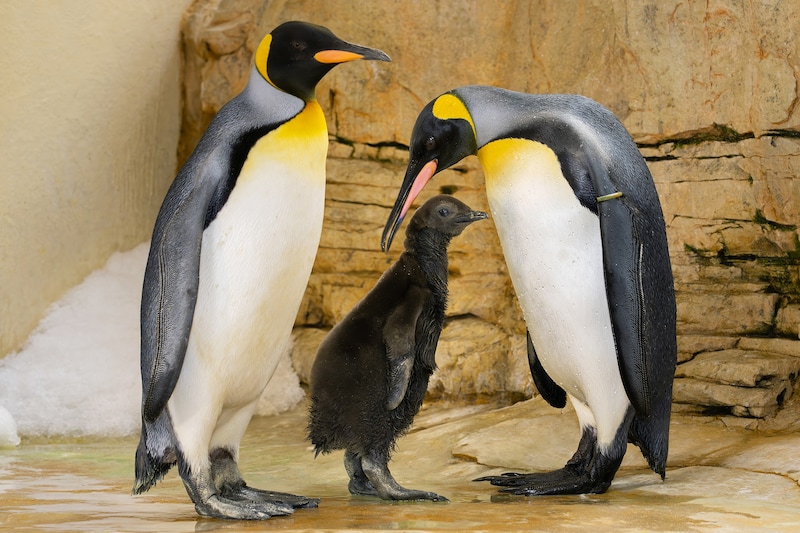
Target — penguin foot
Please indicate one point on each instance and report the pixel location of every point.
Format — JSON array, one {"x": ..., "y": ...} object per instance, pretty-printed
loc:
[
  {"x": 250, "y": 494},
  {"x": 219, "y": 507},
  {"x": 361, "y": 487},
  {"x": 590, "y": 470},
  {"x": 395, "y": 492},
  {"x": 411, "y": 494},
  {"x": 376, "y": 471},
  {"x": 230, "y": 485},
  {"x": 563, "y": 481}
]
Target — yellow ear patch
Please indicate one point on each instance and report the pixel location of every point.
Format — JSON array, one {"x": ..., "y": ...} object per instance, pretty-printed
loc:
[
  {"x": 262, "y": 52},
  {"x": 449, "y": 106}
]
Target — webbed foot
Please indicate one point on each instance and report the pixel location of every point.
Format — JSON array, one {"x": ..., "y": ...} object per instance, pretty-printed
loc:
[
  {"x": 216, "y": 506},
  {"x": 245, "y": 494},
  {"x": 563, "y": 481},
  {"x": 375, "y": 470}
]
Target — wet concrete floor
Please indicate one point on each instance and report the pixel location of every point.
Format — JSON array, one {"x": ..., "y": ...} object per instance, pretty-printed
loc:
[{"x": 718, "y": 479}]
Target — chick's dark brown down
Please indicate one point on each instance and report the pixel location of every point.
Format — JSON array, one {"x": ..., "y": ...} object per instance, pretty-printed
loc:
[{"x": 371, "y": 371}]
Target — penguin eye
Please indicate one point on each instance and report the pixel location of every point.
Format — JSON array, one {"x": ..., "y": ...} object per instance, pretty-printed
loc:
[
  {"x": 430, "y": 143},
  {"x": 298, "y": 45},
  {"x": 444, "y": 212}
]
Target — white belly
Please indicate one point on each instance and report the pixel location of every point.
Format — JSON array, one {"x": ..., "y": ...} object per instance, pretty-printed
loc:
[
  {"x": 255, "y": 261},
  {"x": 553, "y": 250},
  {"x": 254, "y": 267}
]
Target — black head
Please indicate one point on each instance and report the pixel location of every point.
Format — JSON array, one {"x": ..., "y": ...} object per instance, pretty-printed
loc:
[
  {"x": 444, "y": 214},
  {"x": 442, "y": 136},
  {"x": 295, "y": 56}
]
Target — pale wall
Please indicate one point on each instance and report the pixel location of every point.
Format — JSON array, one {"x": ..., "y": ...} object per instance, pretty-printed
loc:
[{"x": 89, "y": 123}]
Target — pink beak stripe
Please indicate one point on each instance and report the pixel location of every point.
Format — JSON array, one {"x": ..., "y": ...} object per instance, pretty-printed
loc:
[{"x": 420, "y": 181}]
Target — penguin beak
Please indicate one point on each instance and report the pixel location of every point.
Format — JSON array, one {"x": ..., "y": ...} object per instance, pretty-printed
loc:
[
  {"x": 412, "y": 185},
  {"x": 471, "y": 217},
  {"x": 350, "y": 52}
]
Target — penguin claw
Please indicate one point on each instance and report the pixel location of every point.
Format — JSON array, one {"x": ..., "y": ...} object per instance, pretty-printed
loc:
[
  {"x": 504, "y": 475},
  {"x": 508, "y": 479}
]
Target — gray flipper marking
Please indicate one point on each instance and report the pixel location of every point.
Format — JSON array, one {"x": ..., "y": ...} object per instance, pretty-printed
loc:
[
  {"x": 170, "y": 285},
  {"x": 399, "y": 335},
  {"x": 549, "y": 389}
]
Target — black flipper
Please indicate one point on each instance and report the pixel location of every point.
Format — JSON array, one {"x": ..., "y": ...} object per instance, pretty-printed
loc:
[
  {"x": 622, "y": 258},
  {"x": 549, "y": 389},
  {"x": 399, "y": 336},
  {"x": 170, "y": 286}
]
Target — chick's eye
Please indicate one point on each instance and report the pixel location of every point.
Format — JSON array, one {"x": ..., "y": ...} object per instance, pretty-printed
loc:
[
  {"x": 430, "y": 143},
  {"x": 444, "y": 212}
]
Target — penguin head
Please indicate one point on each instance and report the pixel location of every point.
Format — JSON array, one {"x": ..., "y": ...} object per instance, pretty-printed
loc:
[
  {"x": 295, "y": 56},
  {"x": 444, "y": 214},
  {"x": 443, "y": 135}
]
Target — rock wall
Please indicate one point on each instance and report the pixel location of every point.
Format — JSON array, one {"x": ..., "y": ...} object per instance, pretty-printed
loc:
[{"x": 708, "y": 90}]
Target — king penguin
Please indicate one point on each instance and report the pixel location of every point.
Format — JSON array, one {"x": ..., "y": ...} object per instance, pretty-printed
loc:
[
  {"x": 231, "y": 254},
  {"x": 371, "y": 372},
  {"x": 584, "y": 238}
]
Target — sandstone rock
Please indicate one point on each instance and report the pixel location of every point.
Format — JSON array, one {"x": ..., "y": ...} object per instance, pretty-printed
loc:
[
  {"x": 726, "y": 171},
  {"x": 741, "y": 368},
  {"x": 472, "y": 359},
  {"x": 788, "y": 320},
  {"x": 726, "y": 313},
  {"x": 613, "y": 52},
  {"x": 788, "y": 347},
  {"x": 777, "y": 454},
  {"x": 740, "y": 401},
  {"x": 305, "y": 342},
  {"x": 691, "y": 345}
]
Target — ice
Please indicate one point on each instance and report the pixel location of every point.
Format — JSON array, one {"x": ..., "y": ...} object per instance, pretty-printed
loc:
[{"x": 78, "y": 372}]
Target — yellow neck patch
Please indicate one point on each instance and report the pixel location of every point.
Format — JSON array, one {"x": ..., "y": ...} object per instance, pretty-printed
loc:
[
  {"x": 501, "y": 158},
  {"x": 300, "y": 143},
  {"x": 262, "y": 52},
  {"x": 449, "y": 106}
]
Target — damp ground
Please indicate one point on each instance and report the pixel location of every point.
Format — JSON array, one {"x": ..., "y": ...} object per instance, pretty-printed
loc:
[{"x": 718, "y": 479}]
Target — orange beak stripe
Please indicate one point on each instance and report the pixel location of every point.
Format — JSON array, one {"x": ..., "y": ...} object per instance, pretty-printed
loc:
[{"x": 336, "y": 56}]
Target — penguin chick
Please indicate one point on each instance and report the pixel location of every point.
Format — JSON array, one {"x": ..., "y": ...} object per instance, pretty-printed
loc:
[
  {"x": 230, "y": 258},
  {"x": 371, "y": 372}
]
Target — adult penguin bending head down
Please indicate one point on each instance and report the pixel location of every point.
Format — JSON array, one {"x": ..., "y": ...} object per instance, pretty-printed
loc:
[
  {"x": 231, "y": 255},
  {"x": 584, "y": 238}
]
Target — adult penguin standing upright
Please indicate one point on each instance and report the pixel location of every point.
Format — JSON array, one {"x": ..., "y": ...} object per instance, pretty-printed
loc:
[
  {"x": 231, "y": 254},
  {"x": 584, "y": 238}
]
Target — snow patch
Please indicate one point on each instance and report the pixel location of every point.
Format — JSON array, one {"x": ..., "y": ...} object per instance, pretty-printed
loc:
[{"x": 78, "y": 373}]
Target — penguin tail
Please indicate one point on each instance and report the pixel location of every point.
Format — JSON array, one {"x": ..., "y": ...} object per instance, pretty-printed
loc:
[
  {"x": 651, "y": 435},
  {"x": 149, "y": 470}
]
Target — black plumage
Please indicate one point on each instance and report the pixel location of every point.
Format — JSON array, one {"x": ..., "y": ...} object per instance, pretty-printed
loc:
[{"x": 371, "y": 372}]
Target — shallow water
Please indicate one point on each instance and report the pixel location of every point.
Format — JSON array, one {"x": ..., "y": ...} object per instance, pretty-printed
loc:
[{"x": 84, "y": 485}]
